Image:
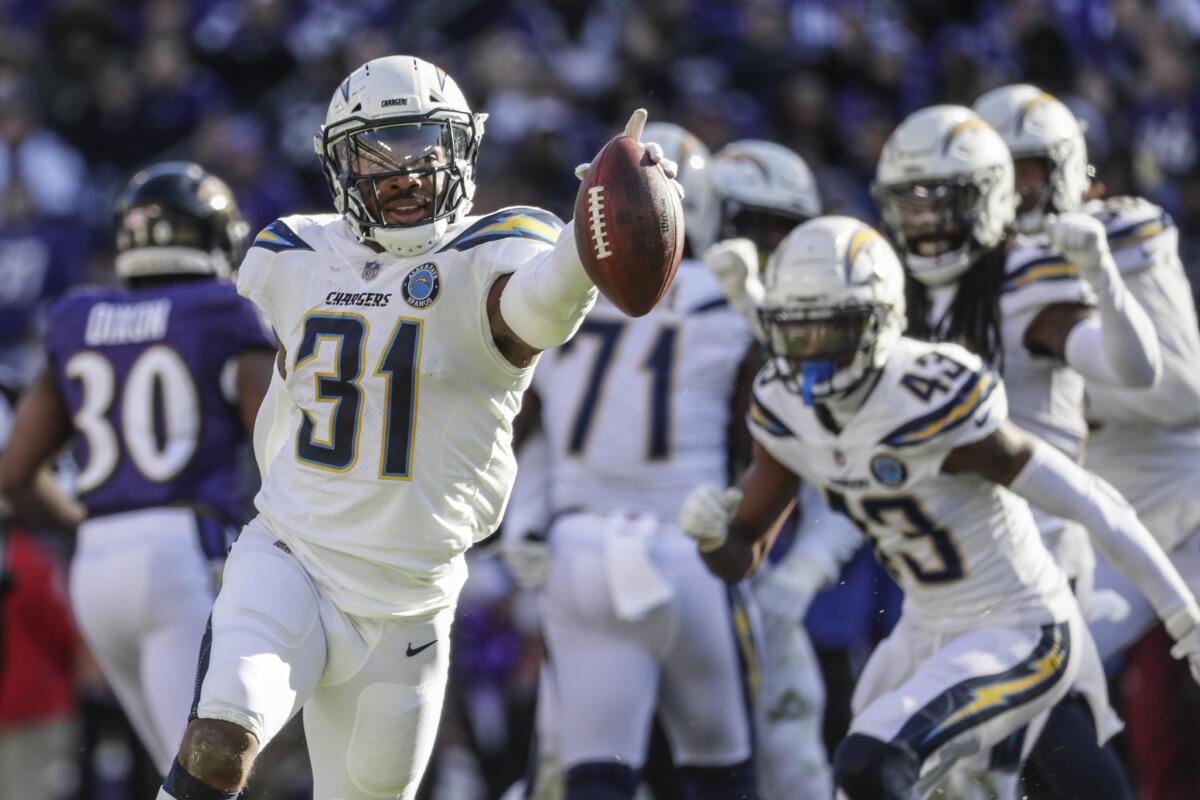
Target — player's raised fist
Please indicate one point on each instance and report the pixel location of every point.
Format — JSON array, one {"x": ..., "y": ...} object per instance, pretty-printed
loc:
[{"x": 629, "y": 220}]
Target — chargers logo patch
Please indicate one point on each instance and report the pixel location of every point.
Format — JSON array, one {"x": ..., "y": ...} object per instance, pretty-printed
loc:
[
  {"x": 889, "y": 471},
  {"x": 421, "y": 286}
]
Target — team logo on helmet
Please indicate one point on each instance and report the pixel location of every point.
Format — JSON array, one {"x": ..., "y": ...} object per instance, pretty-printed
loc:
[
  {"x": 889, "y": 471},
  {"x": 421, "y": 286}
]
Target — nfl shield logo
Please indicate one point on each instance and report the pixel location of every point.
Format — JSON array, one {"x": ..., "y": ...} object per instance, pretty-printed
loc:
[{"x": 370, "y": 270}]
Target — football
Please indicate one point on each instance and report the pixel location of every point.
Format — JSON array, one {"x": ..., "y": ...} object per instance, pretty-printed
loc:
[{"x": 628, "y": 226}]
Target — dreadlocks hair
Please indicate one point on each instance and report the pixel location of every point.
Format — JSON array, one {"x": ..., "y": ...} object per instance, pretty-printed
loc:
[{"x": 974, "y": 316}]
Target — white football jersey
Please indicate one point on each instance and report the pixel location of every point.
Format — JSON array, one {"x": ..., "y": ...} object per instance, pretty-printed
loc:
[
  {"x": 964, "y": 550},
  {"x": 398, "y": 453},
  {"x": 1146, "y": 442},
  {"x": 1045, "y": 395},
  {"x": 637, "y": 410}
]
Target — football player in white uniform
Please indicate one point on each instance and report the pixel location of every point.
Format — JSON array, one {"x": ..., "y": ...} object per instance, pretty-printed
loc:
[
  {"x": 767, "y": 190},
  {"x": 1145, "y": 442},
  {"x": 911, "y": 441},
  {"x": 1046, "y": 311},
  {"x": 635, "y": 412},
  {"x": 407, "y": 334}
]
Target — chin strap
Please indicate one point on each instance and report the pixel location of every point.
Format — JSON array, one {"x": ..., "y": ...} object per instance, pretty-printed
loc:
[{"x": 815, "y": 372}]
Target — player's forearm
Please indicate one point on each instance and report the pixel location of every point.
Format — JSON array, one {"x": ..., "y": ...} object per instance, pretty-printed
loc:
[
  {"x": 1120, "y": 347},
  {"x": 737, "y": 558},
  {"x": 1061, "y": 487},
  {"x": 546, "y": 299}
]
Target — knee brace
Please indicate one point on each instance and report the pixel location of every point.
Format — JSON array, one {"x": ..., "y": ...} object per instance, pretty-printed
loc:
[
  {"x": 601, "y": 781},
  {"x": 736, "y": 781},
  {"x": 866, "y": 768}
]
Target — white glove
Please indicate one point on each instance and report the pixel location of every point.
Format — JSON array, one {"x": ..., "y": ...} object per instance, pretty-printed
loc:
[
  {"x": 528, "y": 559},
  {"x": 734, "y": 263},
  {"x": 786, "y": 589},
  {"x": 654, "y": 152},
  {"x": 1185, "y": 630},
  {"x": 1082, "y": 240},
  {"x": 706, "y": 513}
]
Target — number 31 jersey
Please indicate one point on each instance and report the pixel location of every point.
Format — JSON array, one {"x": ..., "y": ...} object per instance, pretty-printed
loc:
[
  {"x": 147, "y": 376},
  {"x": 398, "y": 450},
  {"x": 965, "y": 551}
]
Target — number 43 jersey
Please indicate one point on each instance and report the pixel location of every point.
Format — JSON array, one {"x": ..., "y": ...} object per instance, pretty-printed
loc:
[
  {"x": 965, "y": 551},
  {"x": 399, "y": 406}
]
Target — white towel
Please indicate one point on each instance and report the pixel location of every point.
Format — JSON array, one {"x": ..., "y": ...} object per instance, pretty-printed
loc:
[{"x": 633, "y": 581}]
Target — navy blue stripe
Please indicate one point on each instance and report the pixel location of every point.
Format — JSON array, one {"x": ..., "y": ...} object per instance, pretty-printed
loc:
[
  {"x": 1164, "y": 218},
  {"x": 201, "y": 668},
  {"x": 1037, "y": 262},
  {"x": 735, "y": 596},
  {"x": 765, "y": 419},
  {"x": 290, "y": 240},
  {"x": 459, "y": 242},
  {"x": 896, "y": 438},
  {"x": 924, "y": 733},
  {"x": 1006, "y": 756},
  {"x": 711, "y": 305}
]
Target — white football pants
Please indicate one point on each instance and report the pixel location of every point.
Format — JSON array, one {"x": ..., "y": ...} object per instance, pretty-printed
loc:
[
  {"x": 371, "y": 689},
  {"x": 141, "y": 590},
  {"x": 633, "y": 621},
  {"x": 951, "y": 696}
]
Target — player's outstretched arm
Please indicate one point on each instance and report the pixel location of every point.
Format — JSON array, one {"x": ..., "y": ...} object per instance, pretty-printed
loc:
[
  {"x": 41, "y": 429},
  {"x": 1056, "y": 484},
  {"x": 1116, "y": 344},
  {"x": 734, "y": 527}
]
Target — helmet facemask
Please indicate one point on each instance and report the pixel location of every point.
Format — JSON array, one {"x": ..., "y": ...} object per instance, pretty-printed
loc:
[
  {"x": 400, "y": 182},
  {"x": 936, "y": 224},
  {"x": 821, "y": 352}
]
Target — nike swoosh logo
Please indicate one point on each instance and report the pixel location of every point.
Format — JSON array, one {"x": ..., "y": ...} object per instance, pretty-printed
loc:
[
  {"x": 979, "y": 423},
  {"x": 412, "y": 651}
]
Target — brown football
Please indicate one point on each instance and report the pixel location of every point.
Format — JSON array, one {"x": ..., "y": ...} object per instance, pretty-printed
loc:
[{"x": 628, "y": 226}]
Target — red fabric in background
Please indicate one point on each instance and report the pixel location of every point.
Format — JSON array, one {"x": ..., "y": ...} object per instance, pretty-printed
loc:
[
  {"x": 38, "y": 645},
  {"x": 1161, "y": 707}
]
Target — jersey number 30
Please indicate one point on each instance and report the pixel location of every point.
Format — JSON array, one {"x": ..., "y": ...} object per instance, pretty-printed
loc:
[{"x": 342, "y": 388}]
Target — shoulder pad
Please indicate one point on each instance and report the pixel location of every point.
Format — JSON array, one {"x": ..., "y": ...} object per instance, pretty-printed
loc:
[
  {"x": 951, "y": 379},
  {"x": 760, "y": 416},
  {"x": 278, "y": 236},
  {"x": 523, "y": 222},
  {"x": 1129, "y": 220}
]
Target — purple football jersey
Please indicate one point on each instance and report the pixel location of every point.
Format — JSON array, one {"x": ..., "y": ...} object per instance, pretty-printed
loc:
[{"x": 141, "y": 371}]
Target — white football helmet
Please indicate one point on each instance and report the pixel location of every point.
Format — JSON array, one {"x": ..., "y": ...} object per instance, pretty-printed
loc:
[
  {"x": 701, "y": 210},
  {"x": 944, "y": 186},
  {"x": 761, "y": 182},
  {"x": 1037, "y": 125},
  {"x": 393, "y": 117},
  {"x": 833, "y": 305}
]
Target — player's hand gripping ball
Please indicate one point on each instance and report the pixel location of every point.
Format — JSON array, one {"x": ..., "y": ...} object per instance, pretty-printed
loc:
[{"x": 629, "y": 220}]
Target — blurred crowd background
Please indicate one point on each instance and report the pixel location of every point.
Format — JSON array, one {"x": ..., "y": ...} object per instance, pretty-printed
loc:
[{"x": 91, "y": 90}]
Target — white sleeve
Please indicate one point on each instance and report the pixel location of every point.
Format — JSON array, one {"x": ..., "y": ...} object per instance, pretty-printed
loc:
[
  {"x": 548, "y": 296},
  {"x": 272, "y": 424},
  {"x": 1055, "y": 484},
  {"x": 1120, "y": 347}
]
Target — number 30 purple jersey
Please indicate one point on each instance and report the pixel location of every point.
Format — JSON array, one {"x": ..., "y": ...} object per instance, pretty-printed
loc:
[{"x": 147, "y": 377}]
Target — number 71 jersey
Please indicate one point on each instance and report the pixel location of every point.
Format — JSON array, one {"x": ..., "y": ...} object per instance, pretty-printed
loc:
[
  {"x": 399, "y": 407},
  {"x": 965, "y": 551}
]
